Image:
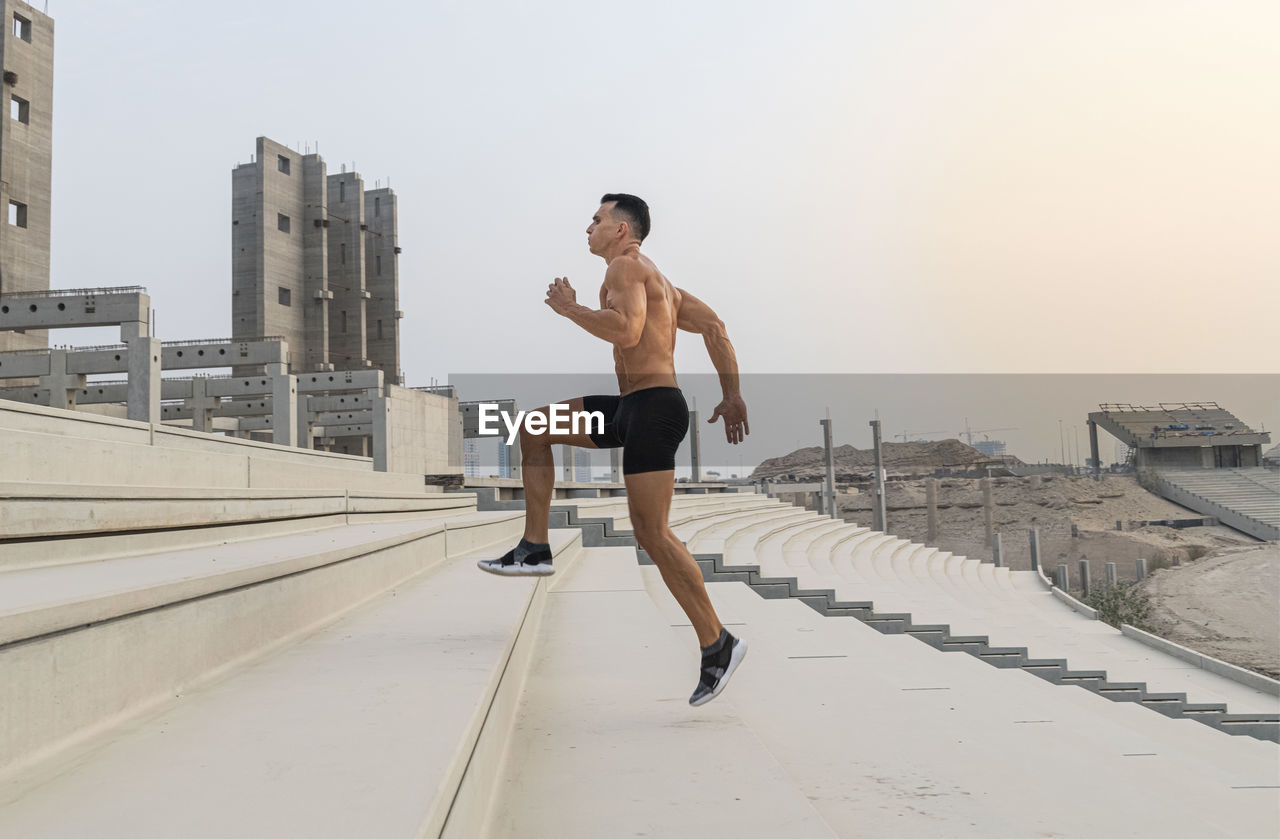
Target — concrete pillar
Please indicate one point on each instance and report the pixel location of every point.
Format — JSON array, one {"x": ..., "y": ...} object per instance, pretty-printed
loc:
[
  {"x": 1093, "y": 450},
  {"x": 566, "y": 463},
  {"x": 61, "y": 384},
  {"x": 302, "y": 436},
  {"x": 828, "y": 506},
  {"x": 1141, "y": 569},
  {"x": 1062, "y": 577},
  {"x": 381, "y": 432},
  {"x": 144, "y": 379},
  {"x": 995, "y": 550},
  {"x": 695, "y": 452},
  {"x": 1110, "y": 570},
  {"x": 284, "y": 405},
  {"x": 931, "y": 511},
  {"x": 988, "y": 509},
  {"x": 880, "y": 524},
  {"x": 1084, "y": 578},
  {"x": 514, "y": 460},
  {"x": 615, "y": 465},
  {"x": 202, "y": 405},
  {"x": 1034, "y": 535}
]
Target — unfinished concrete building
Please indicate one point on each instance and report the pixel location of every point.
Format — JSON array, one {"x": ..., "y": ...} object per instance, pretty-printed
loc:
[
  {"x": 26, "y": 159},
  {"x": 314, "y": 261}
]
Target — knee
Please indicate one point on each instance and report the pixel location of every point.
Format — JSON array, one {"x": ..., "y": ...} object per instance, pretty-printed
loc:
[
  {"x": 530, "y": 441},
  {"x": 650, "y": 535}
]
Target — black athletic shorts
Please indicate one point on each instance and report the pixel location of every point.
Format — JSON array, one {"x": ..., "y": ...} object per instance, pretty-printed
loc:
[{"x": 647, "y": 424}]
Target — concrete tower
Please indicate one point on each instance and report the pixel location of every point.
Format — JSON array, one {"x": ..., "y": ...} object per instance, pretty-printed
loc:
[
  {"x": 314, "y": 261},
  {"x": 382, "y": 280},
  {"x": 26, "y": 158},
  {"x": 279, "y": 260}
]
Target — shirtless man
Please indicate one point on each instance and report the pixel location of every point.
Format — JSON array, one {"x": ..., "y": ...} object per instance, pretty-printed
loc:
[{"x": 639, "y": 314}]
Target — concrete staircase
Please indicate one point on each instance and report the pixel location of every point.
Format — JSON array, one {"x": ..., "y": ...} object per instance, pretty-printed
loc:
[
  {"x": 1007, "y": 619},
  {"x": 1246, "y": 499},
  {"x": 351, "y": 673}
]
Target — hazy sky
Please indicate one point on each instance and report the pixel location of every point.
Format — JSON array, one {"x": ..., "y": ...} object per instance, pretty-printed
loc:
[{"x": 977, "y": 186}]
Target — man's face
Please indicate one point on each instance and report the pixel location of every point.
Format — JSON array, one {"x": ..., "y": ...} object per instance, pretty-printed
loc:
[{"x": 602, "y": 228}]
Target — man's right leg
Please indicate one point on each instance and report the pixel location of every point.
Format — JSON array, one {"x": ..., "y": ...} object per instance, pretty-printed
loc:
[
  {"x": 531, "y": 557},
  {"x": 538, "y": 472}
]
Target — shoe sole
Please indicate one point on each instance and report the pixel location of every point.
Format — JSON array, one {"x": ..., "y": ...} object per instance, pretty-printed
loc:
[
  {"x": 739, "y": 653},
  {"x": 516, "y": 570}
]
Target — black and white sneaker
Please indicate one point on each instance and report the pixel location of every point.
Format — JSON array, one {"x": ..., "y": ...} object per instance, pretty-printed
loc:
[
  {"x": 718, "y": 663},
  {"x": 533, "y": 563}
]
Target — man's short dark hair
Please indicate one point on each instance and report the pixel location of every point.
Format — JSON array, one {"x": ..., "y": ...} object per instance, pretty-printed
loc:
[{"x": 634, "y": 209}]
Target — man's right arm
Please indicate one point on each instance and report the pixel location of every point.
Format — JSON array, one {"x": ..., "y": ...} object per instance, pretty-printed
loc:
[{"x": 697, "y": 317}]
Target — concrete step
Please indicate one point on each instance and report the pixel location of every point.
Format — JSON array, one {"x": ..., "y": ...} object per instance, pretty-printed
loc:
[
  {"x": 129, "y": 633},
  {"x": 47, "y": 524},
  {"x": 1018, "y": 617},
  {"x": 605, "y": 743},
  {"x": 1005, "y": 653},
  {"x": 887, "y": 736},
  {"x": 389, "y": 722}
]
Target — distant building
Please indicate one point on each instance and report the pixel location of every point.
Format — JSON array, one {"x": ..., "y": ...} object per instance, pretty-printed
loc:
[
  {"x": 471, "y": 457},
  {"x": 26, "y": 159},
  {"x": 504, "y": 460},
  {"x": 1182, "y": 435},
  {"x": 315, "y": 261},
  {"x": 582, "y": 467},
  {"x": 991, "y": 448}
]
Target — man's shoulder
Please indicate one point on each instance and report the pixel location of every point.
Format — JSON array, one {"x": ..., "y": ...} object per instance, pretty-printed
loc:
[{"x": 631, "y": 269}]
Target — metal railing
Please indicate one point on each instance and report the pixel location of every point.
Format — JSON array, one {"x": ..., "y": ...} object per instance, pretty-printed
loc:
[
  {"x": 207, "y": 341},
  {"x": 74, "y": 292}
]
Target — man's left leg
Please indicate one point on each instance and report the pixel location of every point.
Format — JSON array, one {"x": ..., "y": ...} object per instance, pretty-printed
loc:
[{"x": 649, "y": 499}]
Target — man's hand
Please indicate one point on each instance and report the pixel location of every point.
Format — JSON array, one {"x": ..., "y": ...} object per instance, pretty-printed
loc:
[
  {"x": 561, "y": 296},
  {"x": 734, "y": 411}
]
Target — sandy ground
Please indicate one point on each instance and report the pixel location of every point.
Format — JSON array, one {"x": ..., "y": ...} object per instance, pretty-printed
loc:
[
  {"x": 1222, "y": 598},
  {"x": 1225, "y": 606}
]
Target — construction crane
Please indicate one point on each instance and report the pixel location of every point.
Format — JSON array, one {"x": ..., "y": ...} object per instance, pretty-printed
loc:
[
  {"x": 907, "y": 436},
  {"x": 968, "y": 432}
]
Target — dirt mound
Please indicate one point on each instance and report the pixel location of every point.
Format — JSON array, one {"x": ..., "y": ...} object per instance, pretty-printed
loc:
[{"x": 899, "y": 458}]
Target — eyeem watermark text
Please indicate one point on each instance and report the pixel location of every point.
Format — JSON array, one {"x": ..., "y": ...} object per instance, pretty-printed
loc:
[{"x": 557, "y": 420}]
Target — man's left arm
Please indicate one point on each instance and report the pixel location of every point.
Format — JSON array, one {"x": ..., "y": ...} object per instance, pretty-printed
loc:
[{"x": 621, "y": 321}]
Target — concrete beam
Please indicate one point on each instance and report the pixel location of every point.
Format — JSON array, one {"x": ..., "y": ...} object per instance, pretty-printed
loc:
[
  {"x": 341, "y": 380},
  {"x": 328, "y": 418},
  {"x": 363, "y": 430},
  {"x": 26, "y": 395},
  {"x": 22, "y": 365},
  {"x": 100, "y": 393},
  {"x": 186, "y": 355},
  {"x": 192, "y": 355},
  {"x": 345, "y": 402},
  {"x": 81, "y": 307}
]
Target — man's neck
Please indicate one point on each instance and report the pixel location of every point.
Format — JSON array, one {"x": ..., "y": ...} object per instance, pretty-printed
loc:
[{"x": 630, "y": 249}]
